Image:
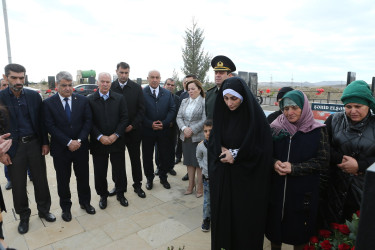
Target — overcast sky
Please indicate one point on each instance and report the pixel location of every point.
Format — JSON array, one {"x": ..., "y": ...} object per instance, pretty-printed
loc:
[{"x": 307, "y": 40}]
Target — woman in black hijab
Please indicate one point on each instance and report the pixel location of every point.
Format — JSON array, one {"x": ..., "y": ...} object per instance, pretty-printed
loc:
[{"x": 240, "y": 162}]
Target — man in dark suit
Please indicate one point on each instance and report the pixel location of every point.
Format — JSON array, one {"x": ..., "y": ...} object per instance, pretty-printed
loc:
[
  {"x": 173, "y": 131},
  {"x": 30, "y": 145},
  {"x": 67, "y": 117},
  {"x": 159, "y": 113},
  {"x": 133, "y": 133},
  {"x": 109, "y": 120}
]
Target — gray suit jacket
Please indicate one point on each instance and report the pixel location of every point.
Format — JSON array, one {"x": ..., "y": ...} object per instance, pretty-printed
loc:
[{"x": 195, "y": 123}]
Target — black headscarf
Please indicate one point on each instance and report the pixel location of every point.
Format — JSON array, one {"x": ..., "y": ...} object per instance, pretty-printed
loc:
[{"x": 245, "y": 128}]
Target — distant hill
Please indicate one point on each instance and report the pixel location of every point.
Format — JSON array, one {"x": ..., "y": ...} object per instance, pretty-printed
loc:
[{"x": 305, "y": 84}]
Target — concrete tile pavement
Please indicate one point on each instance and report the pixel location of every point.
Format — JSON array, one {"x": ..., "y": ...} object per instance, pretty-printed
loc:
[{"x": 163, "y": 219}]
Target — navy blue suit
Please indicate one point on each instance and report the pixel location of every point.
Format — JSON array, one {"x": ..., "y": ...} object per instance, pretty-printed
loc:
[
  {"x": 62, "y": 131},
  {"x": 161, "y": 108},
  {"x": 27, "y": 153}
]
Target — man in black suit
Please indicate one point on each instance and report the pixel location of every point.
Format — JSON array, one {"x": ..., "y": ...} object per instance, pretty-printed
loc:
[
  {"x": 133, "y": 133},
  {"x": 159, "y": 112},
  {"x": 172, "y": 133},
  {"x": 109, "y": 120},
  {"x": 30, "y": 145},
  {"x": 67, "y": 117}
]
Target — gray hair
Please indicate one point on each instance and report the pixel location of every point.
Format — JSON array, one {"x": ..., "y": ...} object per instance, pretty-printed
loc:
[
  {"x": 104, "y": 74},
  {"x": 63, "y": 75},
  {"x": 154, "y": 70}
]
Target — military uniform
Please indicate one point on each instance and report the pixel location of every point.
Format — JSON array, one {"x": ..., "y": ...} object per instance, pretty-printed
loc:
[{"x": 218, "y": 63}]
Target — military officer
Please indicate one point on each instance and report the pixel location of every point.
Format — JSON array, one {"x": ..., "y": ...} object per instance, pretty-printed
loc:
[{"x": 223, "y": 67}]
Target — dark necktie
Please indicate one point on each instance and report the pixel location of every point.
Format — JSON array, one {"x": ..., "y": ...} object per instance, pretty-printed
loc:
[
  {"x": 154, "y": 94},
  {"x": 67, "y": 108}
]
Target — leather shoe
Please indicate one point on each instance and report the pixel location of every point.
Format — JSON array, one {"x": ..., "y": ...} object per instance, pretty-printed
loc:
[
  {"x": 140, "y": 192},
  {"x": 112, "y": 192},
  {"x": 66, "y": 216},
  {"x": 47, "y": 216},
  {"x": 103, "y": 202},
  {"x": 156, "y": 172},
  {"x": 123, "y": 201},
  {"x": 149, "y": 185},
  {"x": 8, "y": 186},
  {"x": 165, "y": 184},
  {"x": 178, "y": 160},
  {"x": 185, "y": 178},
  {"x": 89, "y": 209},
  {"x": 172, "y": 172},
  {"x": 23, "y": 227}
]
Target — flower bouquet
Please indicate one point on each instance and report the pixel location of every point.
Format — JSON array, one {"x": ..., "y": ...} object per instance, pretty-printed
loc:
[{"x": 341, "y": 236}]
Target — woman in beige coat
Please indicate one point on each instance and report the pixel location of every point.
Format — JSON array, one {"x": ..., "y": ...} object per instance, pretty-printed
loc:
[{"x": 190, "y": 118}]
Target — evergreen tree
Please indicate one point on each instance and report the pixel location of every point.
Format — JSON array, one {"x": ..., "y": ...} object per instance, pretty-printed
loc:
[{"x": 196, "y": 61}]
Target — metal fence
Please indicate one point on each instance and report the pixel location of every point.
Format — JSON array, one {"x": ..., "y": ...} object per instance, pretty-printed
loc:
[{"x": 324, "y": 97}]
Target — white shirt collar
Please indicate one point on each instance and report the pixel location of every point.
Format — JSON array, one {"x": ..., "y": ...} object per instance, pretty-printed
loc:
[
  {"x": 156, "y": 91},
  {"x": 123, "y": 84},
  {"x": 62, "y": 98}
]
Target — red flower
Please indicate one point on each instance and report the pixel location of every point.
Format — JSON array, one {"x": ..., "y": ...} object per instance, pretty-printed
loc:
[
  {"x": 314, "y": 240},
  {"x": 55, "y": 89},
  {"x": 268, "y": 91},
  {"x": 335, "y": 226},
  {"x": 344, "y": 246},
  {"x": 324, "y": 233},
  {"x": 326, "y": 245},
  {"x": 358, "y": 213},
  {"x": 353, "y": 248},
  {"x": 95, "y": 90},
  {"x": 344, "y": 229},
  {"x": 307, "y": 247},
  {"x": 48, "y": 91}
]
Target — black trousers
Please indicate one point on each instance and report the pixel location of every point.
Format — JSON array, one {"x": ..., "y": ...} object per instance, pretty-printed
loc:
[
  {"x": 100, "y": 161},
  {"x": 172, "y": 141},
  {"x": 29, "y": 154},
  {"x": 148, "y": 143},
  {"x": 179, "y": 146},
  {"x": 63, "y": 167},
  {"x": 133, "y": 144}
]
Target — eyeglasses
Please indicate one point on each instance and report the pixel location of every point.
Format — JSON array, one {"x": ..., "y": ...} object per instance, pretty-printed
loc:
[{"x": 168, "y": 84}]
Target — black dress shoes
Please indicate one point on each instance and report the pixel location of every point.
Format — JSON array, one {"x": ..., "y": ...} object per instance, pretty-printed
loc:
[
  {"x": 47, "y": 216},
  {"x": 112, "y": 192},
  {"x": 178, "y": 160},
  {"x": 103, "y": 202},
  {"x": 140, "y": 192},
  {"x": 165, "y": 184},
  {"x": 186, "y": 177},
  {"x": 23, "y": 227},
  {"x": 66, "y": 216},
  {"x": 123, "y": 201},
  {"x": 89, "y": 209},
  {"x": 149, "y": 185},
  {"x": 172, "y": 172}
]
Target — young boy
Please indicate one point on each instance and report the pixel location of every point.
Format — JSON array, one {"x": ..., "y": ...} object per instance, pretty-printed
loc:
[{"x": 201, "y": 154}]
